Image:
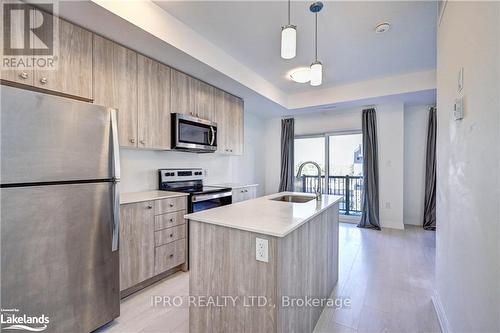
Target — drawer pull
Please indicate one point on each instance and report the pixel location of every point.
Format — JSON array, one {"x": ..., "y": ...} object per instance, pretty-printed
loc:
[
  {"x": 172, "y": 220},
  {"x": 23, "y": 75},
  {"x": 171, "y": 235},
  {"x": 171, "y": 256},
  {"x": 43, "y": 80},
  {"x": 149, "y": 207},
  {"x": 171, "y": 205}
]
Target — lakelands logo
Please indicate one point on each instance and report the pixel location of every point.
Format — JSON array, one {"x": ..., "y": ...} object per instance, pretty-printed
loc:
[
  {"x": 29, "y": 35},
  {"x": 11, "y": 319}
]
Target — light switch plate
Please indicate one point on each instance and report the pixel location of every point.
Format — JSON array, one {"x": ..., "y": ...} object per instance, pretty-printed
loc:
[
  {"x": 261, "y": 249},
  {"x": 460, "y": 83},
  {"x": 458, "y": 111}
]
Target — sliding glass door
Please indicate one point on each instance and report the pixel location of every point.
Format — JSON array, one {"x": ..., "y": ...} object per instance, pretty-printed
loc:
[
  {"x": 340, "y": 156},
  {"x": 309, "y": 148}
]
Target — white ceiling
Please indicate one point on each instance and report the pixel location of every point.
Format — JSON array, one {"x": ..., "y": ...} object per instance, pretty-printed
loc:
[{"x": 348, "y": 48}]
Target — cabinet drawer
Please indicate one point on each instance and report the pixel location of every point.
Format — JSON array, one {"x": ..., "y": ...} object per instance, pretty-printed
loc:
[
  {"x": 170, "y": 255},
  {"x": 170, "y": 205},
  {"x": 169, "y": 220},
  {"x": 169, "y": 235}
]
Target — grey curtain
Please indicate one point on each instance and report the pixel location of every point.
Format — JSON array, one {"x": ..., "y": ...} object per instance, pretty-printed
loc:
[
  {"x": 429, "y": 222},
  {"x": 370, "y": 197},
  {"x": 287, "y": 137}
]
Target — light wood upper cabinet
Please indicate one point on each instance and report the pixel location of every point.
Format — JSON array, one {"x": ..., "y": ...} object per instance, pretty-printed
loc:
[
  {"x": 73, "y": 73},
  {"x": 136, "y": 243},
  {"x": 192, "y": 97},
  {"x": 115, "y": 85},
  {"x": 203, "y": 99},
  {"x": 229, "y": 118},
  {"x": 15, "y": 30},
  {"x": 180, "y": 95},
  {"x": 153, "y": 104},
  {"x": 237, "y": 132}
]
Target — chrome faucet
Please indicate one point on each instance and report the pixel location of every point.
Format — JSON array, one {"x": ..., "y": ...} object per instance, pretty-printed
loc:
[{"x": 318, "y": 188}]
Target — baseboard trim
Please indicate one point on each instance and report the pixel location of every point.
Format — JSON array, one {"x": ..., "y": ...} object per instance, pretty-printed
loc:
[{"x": 438, "y": 307}]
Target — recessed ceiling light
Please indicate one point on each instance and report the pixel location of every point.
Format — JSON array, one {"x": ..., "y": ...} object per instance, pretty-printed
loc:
[
  {"x": 382, "y": 27},
  {"x": 300, "y": 75}
]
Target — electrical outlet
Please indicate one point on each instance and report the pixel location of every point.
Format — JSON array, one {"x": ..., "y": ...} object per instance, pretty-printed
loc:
[{"x": 261, "y": 250}]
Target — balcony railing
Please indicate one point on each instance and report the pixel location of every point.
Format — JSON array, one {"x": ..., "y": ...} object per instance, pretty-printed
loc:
[{"x": 350, "y": 187}]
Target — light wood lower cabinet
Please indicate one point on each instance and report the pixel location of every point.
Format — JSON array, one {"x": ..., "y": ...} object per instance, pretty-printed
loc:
[
  {"x": 136, "y": 243},
  {"x": 170, "y": 255},
  {"x": 115, "y": 85},
  {"x": 153, "y": 240}
]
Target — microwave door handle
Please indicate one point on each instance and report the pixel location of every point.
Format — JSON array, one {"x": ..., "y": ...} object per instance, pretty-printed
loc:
[{"x": 213, "y": 135}]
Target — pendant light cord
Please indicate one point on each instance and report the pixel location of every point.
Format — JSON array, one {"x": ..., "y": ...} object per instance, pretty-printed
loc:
[
  {"x": 289, "y": 12},
  {"x": 316, "y": 37}
]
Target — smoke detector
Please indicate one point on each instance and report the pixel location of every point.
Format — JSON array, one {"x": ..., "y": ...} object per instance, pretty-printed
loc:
[{"x": 382, "y": 27}]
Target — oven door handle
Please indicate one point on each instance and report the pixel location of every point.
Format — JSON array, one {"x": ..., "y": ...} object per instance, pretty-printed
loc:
[{"x": 205, "y": 197}]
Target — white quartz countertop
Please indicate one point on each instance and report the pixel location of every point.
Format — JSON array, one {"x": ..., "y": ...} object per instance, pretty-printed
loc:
[
  {"x": 265, "y": 216},
  {"x": 234, "y": 185},
  {"x": 132, "y": 197}
]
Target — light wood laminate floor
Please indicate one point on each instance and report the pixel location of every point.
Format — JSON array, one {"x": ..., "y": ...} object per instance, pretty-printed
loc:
[{"x": 388, "y": 276}]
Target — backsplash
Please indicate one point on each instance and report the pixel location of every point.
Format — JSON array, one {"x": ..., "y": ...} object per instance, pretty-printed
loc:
[{"x": 139, "y": 168}]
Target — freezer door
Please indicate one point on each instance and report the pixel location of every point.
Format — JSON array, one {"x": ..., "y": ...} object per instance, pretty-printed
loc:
[
  {"x": 56, "y": 255},
  {"x": 47, "y": 138}
]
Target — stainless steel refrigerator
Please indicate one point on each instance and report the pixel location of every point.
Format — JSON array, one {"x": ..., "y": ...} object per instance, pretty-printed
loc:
[{"x": 59, "y": 211}]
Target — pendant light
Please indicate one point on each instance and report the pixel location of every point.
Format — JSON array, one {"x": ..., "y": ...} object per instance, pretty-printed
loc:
[
  {"x": 316, "y": 66},
  {"x": 288, "y": 39}
]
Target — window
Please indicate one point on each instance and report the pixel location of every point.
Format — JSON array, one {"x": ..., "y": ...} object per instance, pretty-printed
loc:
[{"x": 340, "y": 156}]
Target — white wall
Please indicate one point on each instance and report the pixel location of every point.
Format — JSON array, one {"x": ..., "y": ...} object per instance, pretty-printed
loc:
[
  {"x": 139, "y": 168},
  {"x": 415, "y": 120},
  {"x": 468, "y": 165},
  {"x": 390, "y": 122},
  {"x": 390, "y": 132}
]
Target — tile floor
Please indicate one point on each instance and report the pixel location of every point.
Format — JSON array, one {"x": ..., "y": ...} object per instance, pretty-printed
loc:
[{"x": 388, "y": 276}]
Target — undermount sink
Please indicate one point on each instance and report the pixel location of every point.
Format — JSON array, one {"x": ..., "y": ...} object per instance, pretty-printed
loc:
[{"x": 293, "y": 198}]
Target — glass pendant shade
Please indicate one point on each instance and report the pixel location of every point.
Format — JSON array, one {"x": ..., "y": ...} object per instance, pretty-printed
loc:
[
  {"x": 316, "y": 73},
  {"x": 288, "y": 41}
]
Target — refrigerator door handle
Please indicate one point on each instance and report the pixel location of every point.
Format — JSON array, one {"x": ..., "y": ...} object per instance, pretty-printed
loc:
[
  {"x": 116, "y": 180},
  {"x": 116, "y": 216},
  {"x": 116, "y": 145}
]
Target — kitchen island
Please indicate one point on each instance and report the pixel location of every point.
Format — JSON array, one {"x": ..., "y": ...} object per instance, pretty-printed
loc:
[{"x": 232, "y": 291}]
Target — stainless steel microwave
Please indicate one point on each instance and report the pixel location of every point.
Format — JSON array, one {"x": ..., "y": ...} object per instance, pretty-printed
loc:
[{"x": 193, "y": 134}]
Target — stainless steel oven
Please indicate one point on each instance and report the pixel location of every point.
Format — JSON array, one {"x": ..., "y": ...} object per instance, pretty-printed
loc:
[
  {"x": 193, "y": 134},
  {"x": 199, "y": 202}
]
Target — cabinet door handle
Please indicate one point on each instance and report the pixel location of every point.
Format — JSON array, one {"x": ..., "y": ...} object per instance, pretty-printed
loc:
[
  {"x": 132, "y": 140},
  {"x": 142, "y": 142},
  {"x": 43, "y": 80},
  {"x": 23, "y": 75},
  {"x": 149, "y": 207}
]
